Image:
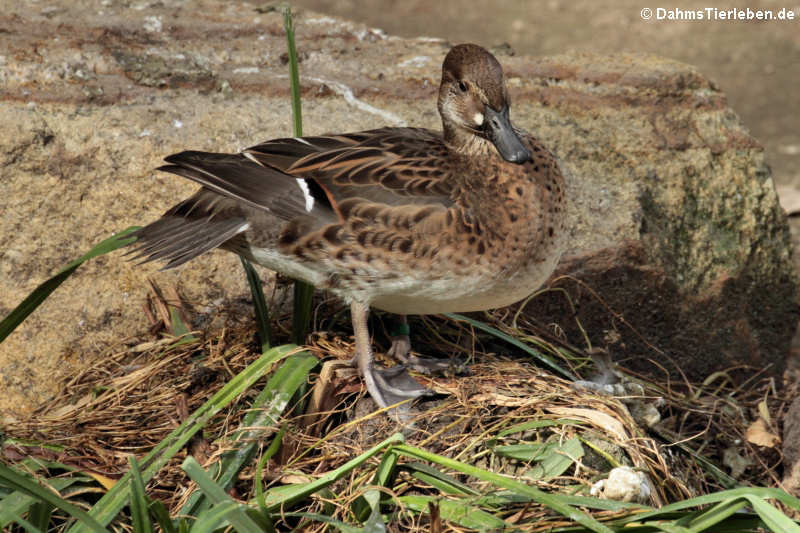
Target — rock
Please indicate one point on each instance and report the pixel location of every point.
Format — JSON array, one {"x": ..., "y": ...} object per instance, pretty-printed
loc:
[
  {"x": 676, "y": 222},
  {"x": 791, "y": 448},
  {"x": 623, "y": 484},
  {"x": 681, "y": 253}
]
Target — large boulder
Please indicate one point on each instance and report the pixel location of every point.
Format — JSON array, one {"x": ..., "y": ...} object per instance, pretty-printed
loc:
[
  {"x": 676, "y": 226},
  {"x": 681, "y": 255}
]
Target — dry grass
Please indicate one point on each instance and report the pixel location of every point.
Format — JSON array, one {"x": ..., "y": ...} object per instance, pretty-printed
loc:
[{"x": 141, "y": 392}]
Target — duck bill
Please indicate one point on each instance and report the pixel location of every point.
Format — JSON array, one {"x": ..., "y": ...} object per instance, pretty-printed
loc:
[{"x": 501, "y": 133}]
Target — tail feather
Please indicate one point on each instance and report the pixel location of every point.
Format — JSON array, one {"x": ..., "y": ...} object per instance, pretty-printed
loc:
[
  {"x": 235, "y": 189},
  {"x": 169, "y": 230},
  {"x": 178, "y": 240},
  {"x": 235, "y": 176}
]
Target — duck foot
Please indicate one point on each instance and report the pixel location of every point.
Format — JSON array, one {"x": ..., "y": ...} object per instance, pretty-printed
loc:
[
  {"x": 400, "y": 350},
  {"x": 428, "y": 366},
  {"x": 389, "y": 386}
]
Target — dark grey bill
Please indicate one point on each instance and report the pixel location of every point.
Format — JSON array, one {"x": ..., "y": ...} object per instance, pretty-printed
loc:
[{"x": 499, "y": 130}]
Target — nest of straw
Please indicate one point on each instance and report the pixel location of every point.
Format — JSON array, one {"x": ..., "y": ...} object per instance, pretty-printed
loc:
[{"x": 140, "y": 392}]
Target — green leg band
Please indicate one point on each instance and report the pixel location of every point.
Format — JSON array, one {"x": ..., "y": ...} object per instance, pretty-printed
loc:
[{"x": 400, "y": 328}]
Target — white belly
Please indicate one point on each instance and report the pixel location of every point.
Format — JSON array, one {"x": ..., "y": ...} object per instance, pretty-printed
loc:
[
  {"x": 421, "y": 293},
  {"x": 461, "y": 296}
]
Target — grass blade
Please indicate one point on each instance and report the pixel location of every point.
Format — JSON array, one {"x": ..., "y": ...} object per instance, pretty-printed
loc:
[
  {"x": 40, "y": 293},
  {"x": 259, "y": 303},
  {"x": 26, "y": 525},
  {"x": 459, "y": 512},
  {"x": 26, "y": 485},
  {"x": 289, "y": 494},
  {"x": 534, "y": 451},
  {"x": 39, "y": 515},
  {"x": 722, "y": 496},
  {"x": 301, "y": 317},
  {"x": 265, "y": 412},
  {"x": 216, "y": 494},
  {"x": 723, "y": 516},
  {"x": 772, "y": 517},
  {"x": 443, "y": 483},
  {"x": 294, "y": 72},
  {"x": 338, "y": 524},
  {"x": 209, "y": 521},
  {"x": 303, "y": 292},
  {"x": 179, "y": 327},
  {"x": 13, "y": 505},
  {"x": 161, "y": 515},
  {"x": 553, "y": 501},
  {"x": 544, "y": 359},
  {"x": 109, "y": 505},
  {"x": 139, "y": 503},
  {"x": 17, "y": 503},
  {"x": 557, "y": 460},
  {"x": 715, "y": 515},
  {"x": 534, "y": 424},
  {"x": 271, "y": 450},
  {"x": 365, "y": 506}
]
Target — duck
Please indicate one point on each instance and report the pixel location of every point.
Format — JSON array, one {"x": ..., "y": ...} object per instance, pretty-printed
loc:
[{"x": 401, "y": 219}]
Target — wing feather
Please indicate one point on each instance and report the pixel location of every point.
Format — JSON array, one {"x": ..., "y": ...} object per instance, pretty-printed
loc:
[
  {"x": 390, "y": 177},
  {"x": 395, "y": 166}
]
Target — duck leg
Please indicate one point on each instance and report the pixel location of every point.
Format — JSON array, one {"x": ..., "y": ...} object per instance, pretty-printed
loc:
[
  {"x": 401, "y": 348},
  {"x": 387, "y": 386},
  {"x": 401, "y": 343}
]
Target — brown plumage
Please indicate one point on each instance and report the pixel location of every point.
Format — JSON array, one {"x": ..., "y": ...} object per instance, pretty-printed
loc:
[{"x": 402, "y": 219}]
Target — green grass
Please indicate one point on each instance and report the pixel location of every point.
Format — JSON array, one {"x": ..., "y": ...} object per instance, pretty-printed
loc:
[{"x": 303, "y": 292}]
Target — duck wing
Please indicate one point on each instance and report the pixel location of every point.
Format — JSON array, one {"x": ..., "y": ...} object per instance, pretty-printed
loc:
[{"x": 392, "y": 166}]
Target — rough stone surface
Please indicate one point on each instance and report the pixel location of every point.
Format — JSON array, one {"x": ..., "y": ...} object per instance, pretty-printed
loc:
[
  {"x": 791, "y": 448},
  {"x": 790, "y": 424},
  {"x": 675, "y": 220},
  {"x": 682, "y": 255}
]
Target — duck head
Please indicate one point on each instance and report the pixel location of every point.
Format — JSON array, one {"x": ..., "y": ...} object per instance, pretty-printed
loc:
[{"x": 474, "y": 103}]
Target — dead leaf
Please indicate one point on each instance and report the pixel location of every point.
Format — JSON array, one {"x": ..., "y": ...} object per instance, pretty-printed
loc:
[
  {"x": 598, "y": 418},
  {"x": 106, "y": 482},
  {"x": 324, "y": 394},
  {"x": 763, "y": 411},
  {"x": 495, "y": 398},
  {"x": 293, "y": 479},
  {"x": 760, "y": 435},
  {"x": 436, "y": 518}
]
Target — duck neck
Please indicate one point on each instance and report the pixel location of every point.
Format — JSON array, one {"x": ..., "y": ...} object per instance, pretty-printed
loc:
[{"x": 465, "y": 142}]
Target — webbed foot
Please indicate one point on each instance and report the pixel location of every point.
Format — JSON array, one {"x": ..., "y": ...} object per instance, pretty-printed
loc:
[{"x": 400, "y": 350}]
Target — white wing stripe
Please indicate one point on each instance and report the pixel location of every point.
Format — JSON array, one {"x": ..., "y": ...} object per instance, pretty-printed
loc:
[{"x": 306, "y": 193}]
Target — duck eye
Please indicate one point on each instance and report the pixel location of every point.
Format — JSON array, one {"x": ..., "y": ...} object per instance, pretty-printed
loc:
[{"x": 462, "y": 86}]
